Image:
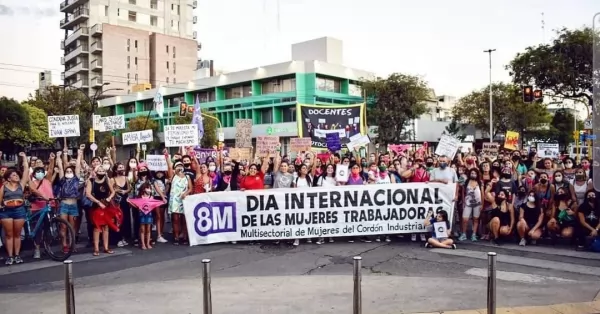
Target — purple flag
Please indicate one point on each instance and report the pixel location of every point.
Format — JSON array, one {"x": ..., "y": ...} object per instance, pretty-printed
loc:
[{"x": 197, "y": 119}]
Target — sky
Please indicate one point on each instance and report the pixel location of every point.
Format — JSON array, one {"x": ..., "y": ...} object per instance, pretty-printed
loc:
[{"x": 442, "y": 41}]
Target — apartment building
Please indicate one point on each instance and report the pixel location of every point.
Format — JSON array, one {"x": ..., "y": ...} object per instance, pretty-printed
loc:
[{"x": 125, "y": 43}]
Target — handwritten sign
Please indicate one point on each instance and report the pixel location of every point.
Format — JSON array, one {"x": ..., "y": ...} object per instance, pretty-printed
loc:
[
  {"x": 301, "y": 144},
  {"x": 242, "y": 153},
  {"x": 447, "y": 146},
  {"x": 358, "y": 140},
  {"x": 156, "y": 163},
  {"x": 138, "y": 137},
  {"x": 512, "y": 140},
  {"x": 490, "y": 149},
  {"x": 111, "y": 123},
  {"x": 266, "y": 144},
  {"x": 63, "y": 126},
  {"x": 203, "y": 153},
  {"x": 243, "y": 133},
  {"x": 181, "y": 135},
  {"x": 333, "y": 142}
]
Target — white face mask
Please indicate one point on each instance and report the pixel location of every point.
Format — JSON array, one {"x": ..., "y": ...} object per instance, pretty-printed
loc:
[
  {"x": 558, "y": 179},
  {"x": 106, "y": 167},
  {"x": 132, "y": 165},
  {"x": 531, "y": 199},
  {"x": 212, "y": 168},
  {"x": 69, "y": 175}
]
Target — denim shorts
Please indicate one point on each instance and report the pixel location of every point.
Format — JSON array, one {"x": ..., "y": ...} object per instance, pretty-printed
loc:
[
  {"x": 69, "y": 209},
  {"x": 13, "y": 213},
  {"x": 146, "y": 219}
]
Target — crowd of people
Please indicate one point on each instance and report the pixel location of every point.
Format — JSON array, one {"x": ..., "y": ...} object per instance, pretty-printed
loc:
[{"x": 514, "y": 196}]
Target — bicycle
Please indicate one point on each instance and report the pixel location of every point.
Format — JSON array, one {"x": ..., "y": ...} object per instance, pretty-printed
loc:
[{"x": 51, "y": 226}]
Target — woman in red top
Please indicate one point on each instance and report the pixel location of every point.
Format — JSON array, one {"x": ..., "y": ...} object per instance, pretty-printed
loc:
[
  {"x": 255, "y": 179},
  {"x": 203, "y": 182}
]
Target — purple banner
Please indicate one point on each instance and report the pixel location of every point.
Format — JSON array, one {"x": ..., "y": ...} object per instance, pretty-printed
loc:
[{"x": 203, "y": 153}]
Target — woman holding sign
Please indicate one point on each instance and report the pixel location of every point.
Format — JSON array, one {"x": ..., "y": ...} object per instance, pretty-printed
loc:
[{"x": 181, "y": 187}]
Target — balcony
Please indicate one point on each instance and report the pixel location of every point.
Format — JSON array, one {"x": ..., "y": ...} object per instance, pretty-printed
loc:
[
  {"x": 79, "y": 67},
  {"x": 78, "y": 16},
  {"x": 97, "y": 30},
  {"x": 82, "y": 32},
  {"x": 82, "y": 83},
  {"x": 96, "y": 47},
  {"x": 96, "y": 65},
  {"x": 96, "y": 82},
  {"x": 62, "y": 44},
  {"x": 68, "y": 6},
  {"x": 81, "y": 49},
  {"x": 62, "y": 60}
]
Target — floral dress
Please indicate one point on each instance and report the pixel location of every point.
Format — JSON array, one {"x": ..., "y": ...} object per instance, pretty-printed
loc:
[{"x": 178, "y": 187}]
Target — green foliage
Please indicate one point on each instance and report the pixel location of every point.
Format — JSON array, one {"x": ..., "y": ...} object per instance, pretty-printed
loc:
[
  {"x": 396, "y": 101},
  {"x": 33, "y": 133},
  {"x": 562, "y": 127},
  {"x": 509, "y": 112},
  {"x": 562, "y": 68},
  {"x": 141, "y": 123},
  {"x": 210, "y": 138},
  {"x": 454, "y": 129},
  {"x": 12, "y": 115}
]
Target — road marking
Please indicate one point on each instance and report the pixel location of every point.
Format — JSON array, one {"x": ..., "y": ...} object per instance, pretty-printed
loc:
[
  {"x": 525, "y": 261},
  {"x": 77, "y": 258},
  {"x": 513, "y": 276}
]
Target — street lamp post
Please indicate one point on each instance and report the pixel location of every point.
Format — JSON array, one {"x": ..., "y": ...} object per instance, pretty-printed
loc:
[{"x": 489, "y": 51}]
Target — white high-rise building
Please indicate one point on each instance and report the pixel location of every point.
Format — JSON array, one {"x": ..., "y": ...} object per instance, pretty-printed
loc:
[{"x": 126, "y": 43}]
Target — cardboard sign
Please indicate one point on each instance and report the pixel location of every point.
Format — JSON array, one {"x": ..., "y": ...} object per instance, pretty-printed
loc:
[
  {"x": 447, "y": 146},
  {"x": 490, "y": 149},
  {"x": 138, "y": 137},
  {"x": 181, "y": 135},
  {"x": 333, "y": 142},
  {"x": 243, "y": 133},
  {"x": 511, "y": 140},
  {"x": 63, "y": 126},
  {"x": 245, "y": 153},
  {"x": 302, "y": 144},
  {"x": 156, "y": 163},
  {"x": 111, "y": 123},
  {"x": 266, "y": 144}
]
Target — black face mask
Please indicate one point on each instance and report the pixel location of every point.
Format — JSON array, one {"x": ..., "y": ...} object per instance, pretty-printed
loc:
[
  {"x": 227, "y": 172},
  {"x": 186, "y": 165},
  {"x": 100, "y": 176},
  {"x": 543, "y": 181},
  {"x": 516, "y": 158},
  {"x": 121, "y": 172},
  {"x": 522, "y": 193},
  {"x": 506, "y": 176},
  {"x": 429, "y": 164},
  {"x": 591, "y": 199},
  {"x": 143, "y": 173},
  {"x": 499, "y": 200},
  {"x": 561, "y": 197}
]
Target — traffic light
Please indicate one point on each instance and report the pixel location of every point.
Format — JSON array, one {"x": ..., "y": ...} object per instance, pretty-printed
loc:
[
  {"x": 537, "y": 94},
  {"x": 528, "y": 94}
]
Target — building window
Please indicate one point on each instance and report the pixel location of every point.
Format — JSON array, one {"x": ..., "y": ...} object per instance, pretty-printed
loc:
[
  {"x": 246, "y": 91},
  {"x": 135, "y": 44},
  {"x": 167, "y": 80},
  {"x": 168, "y": 45},
  {"x": 174, "y": 68},
  {"x": 128, "y": 44},
  {"x": 135, "y": 60},
  {"x": 289, "y": 114},
  {"x": 128, "y": 75},
  {"x": 132, "y": 16},
  {"x": 173, "y": 51},
  {"x": 167, "y": 66},
  {"x": 172, "y": 6},
  {"x": 118, "y": 12},
  {"x": 136, "y": 78},
  {"x": 153, "y": 20},
  {"x": 154, "y": 4},
  {"x": 132, "y": 2},
  {"x": 279, "y": 86},
  {"x": 178, "y": 12},
  {"x": 355, "y": 90},
  {"x": 266, "y": 116},
  {"x": 105, "y": 10},
  {"x": 329, "y": 85},
  {"x": 128, "y": 83},
  {"x": 148, "y": 106}
]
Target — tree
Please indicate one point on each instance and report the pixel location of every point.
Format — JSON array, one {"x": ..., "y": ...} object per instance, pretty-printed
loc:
[
  {"x": 562, "y": 68},
  {"x": 454, "y": 129},
  {"x": 509, "y": 111},
  {"x": 397, "y": 101},
  {"x": 141, "y": 123},
  {"x": 210, "y": 137},
  {"x": 12, "y": 116},
  {"x": 35, "y": 132},
  {"x": 562, "y": 126}
]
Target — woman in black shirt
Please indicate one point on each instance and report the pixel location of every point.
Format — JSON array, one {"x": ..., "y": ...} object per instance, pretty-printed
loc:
[
  {"x": 100, "y": 192},
  {"x": 531, "y": 218},
  {"x": 589, "y": 221}
]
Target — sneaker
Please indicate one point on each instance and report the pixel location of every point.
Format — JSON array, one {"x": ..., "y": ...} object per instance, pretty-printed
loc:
[
  {"x": 153, "y": 227},
  {"x": 413, "y": 237},
  {"x": 423, "y": 238},
  {"x": 427, "y": 245},
  {"x": 320, "y": 241},
  {"x": 378, "y": 239},
  {"x": 463, "y": 237},
  {"x": 18, "y": 260},
  {"x": 453, "y": 246},
  {"x": 474, "y": 238},
  {"x": 121, "y": 243},
  {"x": 331, "y": 240},
  {"x": 523, "y": 242},
  {"x": 9, "y": 261},
  {"x": 365, "y": 240},
  {"x": 161, "y": 240},
  {"x": 37, "y": 254},
  {"x": 387, "y": 239},
  {"x": 309, "y": 241},
  {"x": 350, "y": 241},
  {"x": 296, "y": 242},
  {"x": 233, "y": 242}
]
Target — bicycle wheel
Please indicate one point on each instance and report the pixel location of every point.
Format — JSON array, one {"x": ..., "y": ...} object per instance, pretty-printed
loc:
[{"x": 53, "y": 239}]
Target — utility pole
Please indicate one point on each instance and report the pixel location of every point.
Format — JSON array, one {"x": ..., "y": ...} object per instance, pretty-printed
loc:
[{"x": 489, "y": 51}]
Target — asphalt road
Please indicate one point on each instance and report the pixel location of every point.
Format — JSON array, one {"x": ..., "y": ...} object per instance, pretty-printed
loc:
[{"x": 398, "y": 277}]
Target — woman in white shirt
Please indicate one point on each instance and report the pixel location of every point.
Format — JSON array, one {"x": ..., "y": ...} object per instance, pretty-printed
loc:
[
  {"x": 303, "y": 180},
  {"x": 327, "y": 179}
]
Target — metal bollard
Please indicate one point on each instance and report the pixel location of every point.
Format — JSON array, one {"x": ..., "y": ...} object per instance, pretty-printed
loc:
[
  {"x": 491, "y": 285},
  {"x": 69, "y": 287},
  {"x": 206, "y": 290},
  {"x": 357, "y": 296}
]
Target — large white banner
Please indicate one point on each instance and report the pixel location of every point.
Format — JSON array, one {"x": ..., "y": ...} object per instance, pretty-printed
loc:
[{"x": 351, "y": 210}]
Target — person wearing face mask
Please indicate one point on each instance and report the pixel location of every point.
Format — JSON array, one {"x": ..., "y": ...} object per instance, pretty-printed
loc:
[
  {"x": 161, "y": 185},
  {"x": 101, "y": 193},
  {"x": 531, "y": 219},
  {"x": 181, "y": 187},
  {"x": 581, "y": 185},
  {"x": 589, "y": 221},
  {"x": 203, "y": 182},
  {"x": 146, "y": 219},
  {"x": 503, "y": 217},
  {"x": 563, "y": 218},
  {"x": 69, "y": 194},
  {"x": 355, "y": 177},
  {"x": 281, "y": 176},
  {"x": 519, "y": 169},
  {"x": 430, "y": 165},
  {"x": 473, "y": 201},
  {"x": 188, "y": 169},
  {"x": 561, "y": 182},
  {"x": 122, "y": 188},
  {"x": 544, "y": 193},
  {"x": 506, "y": 184},
  {"x": 585, "y": 164},
  {"x": 41, "y": 187},
  {"x": 107, "y": 165},
  {"x": 569, "y": 171},
  {"x": 132, "y": 166},
  {"x": 13, "y": 213},
  {"x": 529, "y": 180}
]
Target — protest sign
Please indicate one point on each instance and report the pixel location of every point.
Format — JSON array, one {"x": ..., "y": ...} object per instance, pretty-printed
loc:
[
  {"x": 63, "y": 126},
  {"x": 358, "y": 140},
  {"x": 346, "y": 211},
  {"x": 138, "y": 137},
  {"x": 333, "y": 142},
  {"x": 447, "y": 146},
  {"x": 490, "y": 149},
  {"x": 111, "y": 123},
  {"x": 243, "y": 133},
  {"x": 181, "y": 135},
  {"x": 548, "y": 150},
  {"x": 302, "y": 144},
  {"x": 266, "y": 144},
  {"x": 511, "y": 140},
  {"x": 243, "y": 153},
  {"x": 203, "y": 153},
  {"x": 156, "y": 162},
  {"x": 318, "y": 121}
]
